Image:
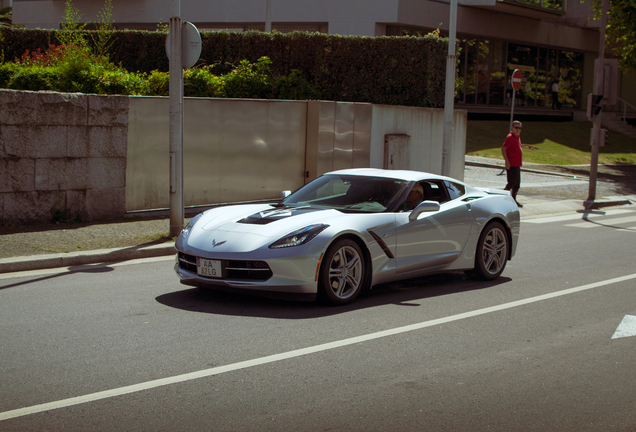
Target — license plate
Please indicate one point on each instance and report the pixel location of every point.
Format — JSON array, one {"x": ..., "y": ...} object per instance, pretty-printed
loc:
[{"x": 209, "y": 268}]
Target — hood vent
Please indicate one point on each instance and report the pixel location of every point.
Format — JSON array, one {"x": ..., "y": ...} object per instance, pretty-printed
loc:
[{"x": 273, "y": 215}]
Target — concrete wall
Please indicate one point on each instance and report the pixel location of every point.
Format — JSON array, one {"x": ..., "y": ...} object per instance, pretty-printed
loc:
[
  {"x": 61, "y": 151},
  {"x": 101, "y": 156},
  {"x": 425, "y": 128},
  {"x": 233, "y": 150}
]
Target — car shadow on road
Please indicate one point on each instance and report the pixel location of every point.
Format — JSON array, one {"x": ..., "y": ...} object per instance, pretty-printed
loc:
[
  {"x": 408, "y": 293},
  {"x": 56, "y": 273}
]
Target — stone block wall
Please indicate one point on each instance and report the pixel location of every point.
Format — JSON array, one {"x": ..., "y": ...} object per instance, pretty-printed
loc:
[{"x": 64, "y": 153}]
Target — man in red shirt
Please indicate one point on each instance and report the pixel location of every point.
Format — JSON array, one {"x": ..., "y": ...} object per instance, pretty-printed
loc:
[{"x": 513, "y": 155}]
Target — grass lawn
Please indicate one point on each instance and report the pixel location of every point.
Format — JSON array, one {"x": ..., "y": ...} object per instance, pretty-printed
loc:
[{"x": 565, "y": 143}]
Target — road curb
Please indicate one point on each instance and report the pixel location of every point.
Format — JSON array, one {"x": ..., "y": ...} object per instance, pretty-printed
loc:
[{"x": 39, "y": 262}]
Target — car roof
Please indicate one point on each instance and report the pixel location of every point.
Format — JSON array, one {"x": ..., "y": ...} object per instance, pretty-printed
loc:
[{"x": 406, "y": 175}]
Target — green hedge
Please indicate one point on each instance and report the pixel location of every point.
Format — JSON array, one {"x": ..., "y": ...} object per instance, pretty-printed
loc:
[{"x": 383, "y": 70}]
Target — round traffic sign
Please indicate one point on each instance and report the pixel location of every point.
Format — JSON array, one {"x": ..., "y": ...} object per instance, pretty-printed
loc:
[
  {"x": 190, "y": 45},
  {"x": 516, "y": 79}
]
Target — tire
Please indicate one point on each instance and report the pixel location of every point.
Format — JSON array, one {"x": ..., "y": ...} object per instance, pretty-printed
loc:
[
  {"x": 492, "y": 252},
  {"x": 342, "y": 272}
]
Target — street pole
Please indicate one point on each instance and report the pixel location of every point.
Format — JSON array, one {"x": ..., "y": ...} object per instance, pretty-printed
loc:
[
  {"x": 268, "y": 16},
  {"x": 596, "y": 127},
  {"x": 512, "y": 110},
  {"x": 449, "y": 101},
  {"x": 176, "y": 122}
]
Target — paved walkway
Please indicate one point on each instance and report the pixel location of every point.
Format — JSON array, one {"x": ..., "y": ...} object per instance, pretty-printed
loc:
[{"x": 544, "y": 190}]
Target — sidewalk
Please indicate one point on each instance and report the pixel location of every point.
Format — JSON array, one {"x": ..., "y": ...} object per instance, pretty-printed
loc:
[
  {"x": 544, "y": 190},
  {"x": 547, "y": 189}
]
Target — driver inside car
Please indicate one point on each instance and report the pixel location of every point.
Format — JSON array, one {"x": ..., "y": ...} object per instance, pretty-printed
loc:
[{"x": 415, "y": 196}]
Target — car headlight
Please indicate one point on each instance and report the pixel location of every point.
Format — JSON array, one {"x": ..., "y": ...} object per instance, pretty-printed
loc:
[
  {"x": 299, "y": 237},
  {"x": 186, "y": 231}
]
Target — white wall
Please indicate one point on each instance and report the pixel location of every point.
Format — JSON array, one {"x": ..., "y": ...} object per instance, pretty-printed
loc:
[{"x": 425, "y": 126}]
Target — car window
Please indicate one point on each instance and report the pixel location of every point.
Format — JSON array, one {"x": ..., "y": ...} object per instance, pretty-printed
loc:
[
  {"x": 332, "y": 188},
  {"x": 455, "y": 190},
  {"x": 433, "y": 191},
  {"x": 349, "y": 193}
]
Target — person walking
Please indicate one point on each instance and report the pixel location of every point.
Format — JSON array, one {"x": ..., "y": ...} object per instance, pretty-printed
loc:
[
  {"x": 555, "y": 95},
  {"x": 513, "y": 156}
]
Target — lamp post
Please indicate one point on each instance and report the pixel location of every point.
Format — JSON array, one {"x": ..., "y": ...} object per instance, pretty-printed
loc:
[
  {"x": 176, "y": 122},
  {"x": 449, "y": 100},
  {"x": 596, "y": 127},
  {"x": 268, "y": 16}
]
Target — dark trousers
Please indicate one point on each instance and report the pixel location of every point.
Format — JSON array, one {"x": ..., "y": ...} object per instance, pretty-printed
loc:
[
  {"x": 514, "y": 180},
  {"x": 555, "y": 100}
]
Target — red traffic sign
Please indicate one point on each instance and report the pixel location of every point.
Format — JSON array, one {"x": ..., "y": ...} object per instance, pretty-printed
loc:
[{"x": 516, "y": 79}]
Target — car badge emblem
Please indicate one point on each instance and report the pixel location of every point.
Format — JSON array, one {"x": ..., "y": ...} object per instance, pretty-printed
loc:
[{"x": 215, "y": 244}]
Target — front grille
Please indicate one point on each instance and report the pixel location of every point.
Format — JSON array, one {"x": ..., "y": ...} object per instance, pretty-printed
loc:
[
  {"x": 232, "y": 269},
  {"x": 254, "y": 270},
  {"x": 188, "y": 262}
]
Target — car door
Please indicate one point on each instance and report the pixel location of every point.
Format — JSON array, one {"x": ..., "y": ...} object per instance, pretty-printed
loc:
[{"x": 435, "y": 238}]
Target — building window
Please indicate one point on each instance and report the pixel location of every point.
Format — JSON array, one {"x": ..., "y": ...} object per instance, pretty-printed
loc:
[
  {"x": 484, "y": 69},
  {"x": 497, "y": 87},
  {"x": 524, "y": 59}
]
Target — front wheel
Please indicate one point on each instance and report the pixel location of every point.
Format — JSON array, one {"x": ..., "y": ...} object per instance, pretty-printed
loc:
[
  {"x": 342, "y": 273},
  {"x": 492, "y": 252}
]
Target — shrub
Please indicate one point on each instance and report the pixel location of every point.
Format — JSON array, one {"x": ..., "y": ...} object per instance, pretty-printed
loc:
[
  {"x": 121, "y": 82},
  {"x": 77, "y": 71},
  {"x": 249, "y": 80},
  {"x": 31, "y": 79},
  {"x": 49, "y": 57},
  {"x": 72, "y": 33},
  {"x": 200, "y": 82},
  {"x": 221, "y": 68},
  {"x": 295, "y": 87},
  {"x": 158, "y": 84},
  {"x": 7, "y": 70},
  {"x": 385, "y": 70}
]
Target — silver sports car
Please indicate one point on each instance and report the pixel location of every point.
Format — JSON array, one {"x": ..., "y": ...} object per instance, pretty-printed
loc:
[{"x": 349, "y": 230}]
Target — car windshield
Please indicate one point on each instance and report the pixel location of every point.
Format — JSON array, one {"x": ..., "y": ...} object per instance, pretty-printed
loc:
[{"x": 349, "y": 193}]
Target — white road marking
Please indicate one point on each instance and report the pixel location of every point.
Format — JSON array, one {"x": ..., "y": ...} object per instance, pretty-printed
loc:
[
  {"x": 576, "y": 216},
  {"x": 297, "y": 353},
  {"x": 604, "y": 222},
  {"x": 79, "y": 269},
  {"x": 626, "y": 328}
]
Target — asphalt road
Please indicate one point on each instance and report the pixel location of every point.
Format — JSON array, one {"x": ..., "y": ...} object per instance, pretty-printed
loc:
[{"x": 533, "y": 351}]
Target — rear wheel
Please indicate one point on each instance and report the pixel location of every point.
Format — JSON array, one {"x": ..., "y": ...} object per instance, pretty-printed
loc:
[
  {"x": 492, "y": 252},
  {"x": 342, "y": 273}
]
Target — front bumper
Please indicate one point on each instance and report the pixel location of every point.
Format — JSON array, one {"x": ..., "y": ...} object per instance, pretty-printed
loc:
[{"x": 287, "y": 276}]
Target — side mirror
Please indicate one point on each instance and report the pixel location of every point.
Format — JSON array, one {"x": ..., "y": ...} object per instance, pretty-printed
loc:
[
  {"x": 424, "y": 207},
  {"x": 285, "y": 194}
]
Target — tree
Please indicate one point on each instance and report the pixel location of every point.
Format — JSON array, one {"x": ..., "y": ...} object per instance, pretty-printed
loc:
[
  {"x": 102, "y": 37},
  {"x": 71, "y": 33},
  {"x": 621, "y": 32},
  {"x": 6, "y": 18},
  {"x": 620, "y": 35}
]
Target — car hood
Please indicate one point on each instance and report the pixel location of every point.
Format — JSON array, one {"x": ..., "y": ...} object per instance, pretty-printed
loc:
[{"x": 248, "y": 227}]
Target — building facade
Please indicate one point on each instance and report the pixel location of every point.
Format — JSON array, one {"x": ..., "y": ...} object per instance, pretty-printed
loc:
[{"x": 547, "y": 40}]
